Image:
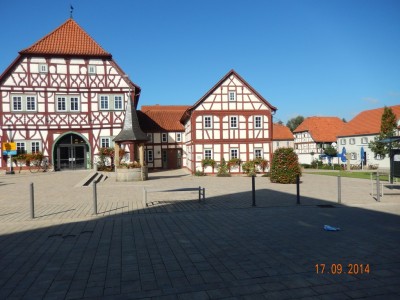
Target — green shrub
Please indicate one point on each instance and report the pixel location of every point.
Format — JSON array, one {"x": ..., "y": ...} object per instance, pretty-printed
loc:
[
  {"x": 285, "y": 166},
  {"x": 199, "y": 173},
  {"x": 223, "y": 170}
]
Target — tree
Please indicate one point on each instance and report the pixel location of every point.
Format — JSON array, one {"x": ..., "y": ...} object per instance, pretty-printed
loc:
[
  {"x": 293, "y": 123},
  {"x": 388, "y": 129},
  {"x": 330, "y": 151},
  {"x": 285, "y": 166}
]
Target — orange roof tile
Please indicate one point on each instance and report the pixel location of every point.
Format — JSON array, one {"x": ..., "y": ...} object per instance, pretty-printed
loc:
[
  {"x": 67, "y": 39},
  {"x": 367, "y": 122},
  {"x": 321, "y": 129},
  {"x": 281, "y": 132},
  {"x": 158, "y": 118}
]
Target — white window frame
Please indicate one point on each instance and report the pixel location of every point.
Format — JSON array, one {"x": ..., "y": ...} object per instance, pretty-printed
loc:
[
  {"x": 92, "y": 69},
  {"x": 74, "y": 101},
  {"x": 260, "y": 151},
  {"x": 35, "y": 146},
  {"x": 231, "y": 118},
  {"x": 352, "y": 141},
  {"x": 164, "y": 137},
  {"x": 179, "y": 137},
  {"x": 208, "y": 122},
  {"x": 105, "y": 142},
  {"x": 21, "y": 146},
  {"x": 149, "y": 155},
  {"x": 120, "y": 101},
  {"x": 43, "y": 68},
  {"x": 104, "y": 102},
  {"x": 364, "y": 140},
  {"x": 208, "y": 154},
  {"x": 342, "y": 141},
  {"x": 233, "y": 153},
  {"x": 232, "y": 96},
  {"x": 20, "y": 103},
  {"x": 353, "y": 155},
  {"x": 61, "y": 103},
  {"x": 256, "y": 120},
  {"x": 29, "y": 101}
]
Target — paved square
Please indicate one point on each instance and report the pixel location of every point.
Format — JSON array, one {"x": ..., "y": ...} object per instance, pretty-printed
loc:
[{"x": 180, "y": 248}]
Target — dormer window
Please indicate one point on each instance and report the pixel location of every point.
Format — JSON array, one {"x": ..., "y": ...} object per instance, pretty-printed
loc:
[
  {"x": 43, "y": 68},
  {"x": 92, "y": 69},
  {"x": 232, "y": 96}
]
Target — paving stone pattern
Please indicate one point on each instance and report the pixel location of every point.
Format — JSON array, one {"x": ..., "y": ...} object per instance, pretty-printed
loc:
[{"x": 180, "y": 248}]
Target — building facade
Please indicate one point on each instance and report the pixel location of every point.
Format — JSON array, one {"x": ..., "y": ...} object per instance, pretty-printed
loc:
[
  {"x": 231, "y": 121},
  {"x": 313, "y": 135},
  {"x": 64, "y": 96},
  {"x": 357, "y": 133},
  {"x": 282, "y": 137}
]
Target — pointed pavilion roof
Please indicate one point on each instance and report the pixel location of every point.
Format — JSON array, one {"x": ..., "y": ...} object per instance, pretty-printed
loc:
[
  {"x": 131, "y": 130},
  {"x": 67, "y": 39}
]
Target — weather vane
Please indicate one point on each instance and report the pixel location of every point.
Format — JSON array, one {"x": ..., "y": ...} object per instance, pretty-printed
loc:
[{"x": 71, "y": 9}]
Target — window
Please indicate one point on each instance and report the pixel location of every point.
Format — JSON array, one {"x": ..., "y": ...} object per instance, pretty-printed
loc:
[
  {"x": 149, "y": 156},
  {"x": 74, "y": 104},
  {"x": 35, "y": 147},
  {"x": 207, "y": 122},
  {"x": 104, "y": 102},
  {"x": 92, "y": 69},
  {"x": 150, "y": 136},
  {"x": 342, "y": 141},
  {"x": 233, "y": 122},
  {"x": 105, "y": 142},
  {"x": 17, "y": 103},
  {"x": 111, "y": 102},
  {"x": 164, "y": 137},
  {"x": 43, "y": 68},
  {"x": 353, "y": 155},
  {"x": 364, "y": 140},
  {"x": 258, "y": 153},
  {"x": 207, "y": 154},
  {"x": 257, "y": 122},
  {"x": 179, "y": 137},
  {"x": 30, "y": 103},
  {"x": 23, "y": 103},
  {"x": 118, "y": 102},
  {"x": 232, "y": 96},
  {"x": 234, "y": 153},
  {"x": 61, "y": 103},
  {"x": 20, "y": 147},
  {"x": 352, "y": 141}
]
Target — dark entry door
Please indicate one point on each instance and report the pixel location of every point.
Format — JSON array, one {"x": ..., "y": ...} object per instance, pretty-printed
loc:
[
  {"x": 71, "y": 157},
  {"x": 172, "y": 158},
  {"x": 71, "y": 153}
]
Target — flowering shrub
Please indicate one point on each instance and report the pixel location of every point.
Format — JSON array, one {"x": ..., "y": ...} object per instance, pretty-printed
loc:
[
  {"x": 223, "y": 170},
  {"x": 104, "y": 154},
  {"x": 132, "y": 165},
  {"x": 285, "y": 166}
]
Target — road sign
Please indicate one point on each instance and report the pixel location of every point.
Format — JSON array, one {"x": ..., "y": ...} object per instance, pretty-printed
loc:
[{"x": 9, "y": 148}]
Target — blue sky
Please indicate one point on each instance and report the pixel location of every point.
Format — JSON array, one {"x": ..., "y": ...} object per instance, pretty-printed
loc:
[{"x": 306, "y": 57}]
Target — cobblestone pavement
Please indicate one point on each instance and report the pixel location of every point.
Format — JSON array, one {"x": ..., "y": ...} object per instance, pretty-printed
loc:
[{"x": 180, "y": 248}]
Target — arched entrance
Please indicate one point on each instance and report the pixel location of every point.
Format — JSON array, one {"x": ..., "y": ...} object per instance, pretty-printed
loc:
[{"x": 70, "y": 152}]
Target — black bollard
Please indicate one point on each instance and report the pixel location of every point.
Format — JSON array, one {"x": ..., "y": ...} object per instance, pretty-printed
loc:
[
  {"x": 253, "y": 188},
  {"x": 32, "y": 196},
  {"x": 298, "y": 189}
]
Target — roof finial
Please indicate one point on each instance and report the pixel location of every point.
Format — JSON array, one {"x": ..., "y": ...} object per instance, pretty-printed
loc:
[{"x": 70, "y": 11}]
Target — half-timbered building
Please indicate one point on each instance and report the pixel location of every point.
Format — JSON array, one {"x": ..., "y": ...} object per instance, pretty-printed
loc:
[
  {"x": 232, "y": 120},
  {"x": 64, "y": 96},
  {"x": 313, "y": 135}
]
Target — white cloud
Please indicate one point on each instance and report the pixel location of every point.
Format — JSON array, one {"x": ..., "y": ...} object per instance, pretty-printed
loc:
[{"x": 370, "y": 100}]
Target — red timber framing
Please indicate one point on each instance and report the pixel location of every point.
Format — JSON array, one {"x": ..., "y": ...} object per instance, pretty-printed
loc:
[
  {"x": 231, "y": 120},
  {"x": 59, "y": 93}
]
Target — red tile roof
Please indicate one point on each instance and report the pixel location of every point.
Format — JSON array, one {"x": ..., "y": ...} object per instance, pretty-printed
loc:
[
  {"x": 158, "y": 118},
  {"x": 367, "y": 122},
  {"x": 322, "y": 129},
  {"x": 281, "y": 133},
  {"x": 67, "y": 39}
]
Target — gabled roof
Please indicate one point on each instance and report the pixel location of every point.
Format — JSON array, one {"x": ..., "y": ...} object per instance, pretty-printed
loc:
[
  {"x": 367, "y": 122},
  {"x": 158, "y": 118},
  {"x": 281, "y": 133},
  {"x": 67, "y": 39},
  {"x": 321, "y": 129},
  {"x": 231, "y": 72}
]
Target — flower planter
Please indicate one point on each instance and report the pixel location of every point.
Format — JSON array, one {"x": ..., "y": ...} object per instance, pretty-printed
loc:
[{"x": 134, "y": 174}]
